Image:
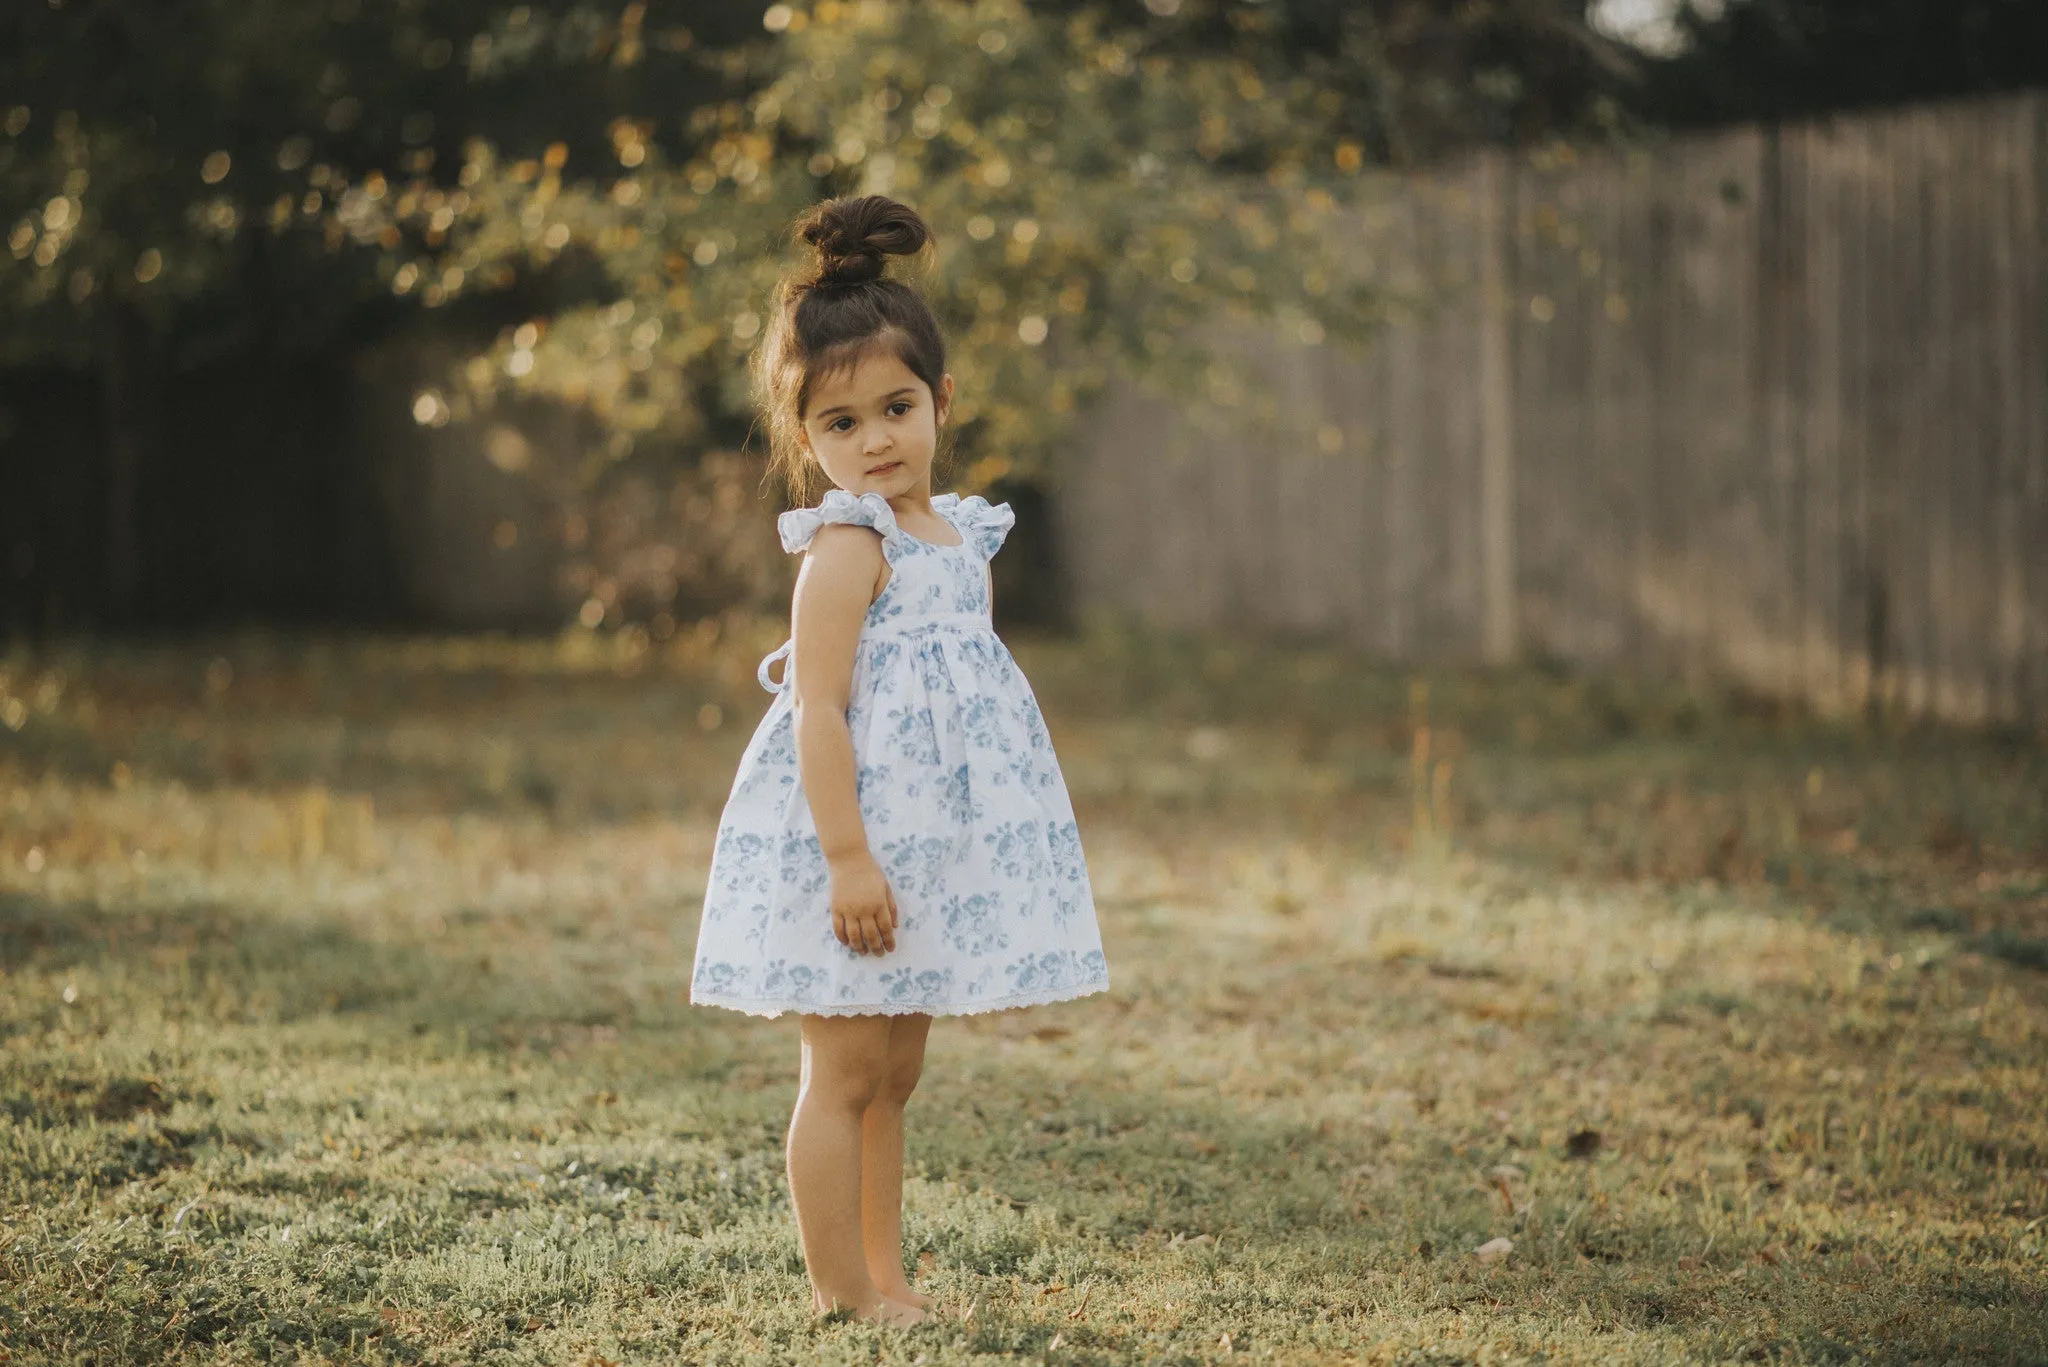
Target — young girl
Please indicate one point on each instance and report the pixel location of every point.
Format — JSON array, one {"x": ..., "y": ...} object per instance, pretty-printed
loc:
[{"x": 899, "y": 843}]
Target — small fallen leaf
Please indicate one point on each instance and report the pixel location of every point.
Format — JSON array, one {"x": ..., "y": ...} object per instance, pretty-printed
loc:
[
  {"x": 1582, "y": 1144},
  {"x": 1052, "y": 1290},
  {"x": 1773, "y": 1254},
  {"x": 388, "y": 1315},
  {"x": 1049, "y": 1033},
  {"x": 1224, "y": 1343},
  {"x": 1082, "y": 1308},
  {"x": 1198, "y": 1143},
  {"x": 1865, "y": 1261},
  {"x": 1057, "y": 1340},
  {"x": 1688, "y": 1263},
  {"x": 926, "y": 1261},
  {"x": 1493, "y": 1250},
  {"x": 968, "y": 1314}
]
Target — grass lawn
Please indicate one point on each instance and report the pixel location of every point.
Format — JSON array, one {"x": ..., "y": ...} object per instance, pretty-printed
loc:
[{"x": 1480, "y": 1019}]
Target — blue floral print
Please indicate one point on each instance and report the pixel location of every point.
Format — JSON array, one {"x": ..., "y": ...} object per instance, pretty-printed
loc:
[{"x": 960, "y": 793}]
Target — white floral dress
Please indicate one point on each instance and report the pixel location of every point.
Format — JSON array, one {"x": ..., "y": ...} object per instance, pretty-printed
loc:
[{"x": 960, "y": 794}]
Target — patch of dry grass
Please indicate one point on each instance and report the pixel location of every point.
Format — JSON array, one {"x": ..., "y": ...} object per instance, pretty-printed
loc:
[{"x": 343, "y": 1020}]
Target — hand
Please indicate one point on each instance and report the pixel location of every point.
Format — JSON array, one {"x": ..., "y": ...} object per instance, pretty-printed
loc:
[{"x": 863, "y": 907}]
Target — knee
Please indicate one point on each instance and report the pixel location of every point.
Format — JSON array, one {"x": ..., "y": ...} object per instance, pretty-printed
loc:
[
  {"x": 899, "y": 1080},
  {"x": 853, "y": 1084}
]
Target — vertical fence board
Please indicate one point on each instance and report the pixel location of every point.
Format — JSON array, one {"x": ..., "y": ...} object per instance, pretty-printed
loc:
[
  {"x": 1818, "y": 302},
  {"x": 1865, "y": 616},
  {"x": 2031, "y": 364},
  {"x": 1499, "y": 628}
]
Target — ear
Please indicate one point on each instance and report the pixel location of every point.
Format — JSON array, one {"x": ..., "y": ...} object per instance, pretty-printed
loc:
[{"x": 942, "y": 402}]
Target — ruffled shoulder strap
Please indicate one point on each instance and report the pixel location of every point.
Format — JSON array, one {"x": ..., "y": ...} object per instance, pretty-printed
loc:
[
  {"x": 983, "y": 524},
  {"x": 799, "y": 525}
]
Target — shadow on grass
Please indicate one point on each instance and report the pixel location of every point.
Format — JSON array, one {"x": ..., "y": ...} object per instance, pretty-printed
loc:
[
  {"x": 1243, "y": 1212},
  {"x": 174, "y": 1078},
  {"x": 1105, "y": 1180},
  {"x": 230, "y": 966}
]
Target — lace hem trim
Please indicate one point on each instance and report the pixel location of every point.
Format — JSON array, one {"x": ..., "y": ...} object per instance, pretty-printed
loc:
[{"x": 771, "y": 1009}]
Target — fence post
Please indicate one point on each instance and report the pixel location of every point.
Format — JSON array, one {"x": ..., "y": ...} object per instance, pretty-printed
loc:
[{"x": 1496, "y": 419}]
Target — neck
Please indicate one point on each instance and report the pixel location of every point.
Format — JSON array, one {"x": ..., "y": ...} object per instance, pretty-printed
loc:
[{"x": 917, "y": 498}]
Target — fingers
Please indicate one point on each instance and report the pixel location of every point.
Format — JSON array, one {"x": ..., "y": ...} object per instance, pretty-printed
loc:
[{"x": 872, "y": 931}]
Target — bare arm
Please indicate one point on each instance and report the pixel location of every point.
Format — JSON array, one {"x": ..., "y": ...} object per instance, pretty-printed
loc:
[{"x": 833, "y": 590}]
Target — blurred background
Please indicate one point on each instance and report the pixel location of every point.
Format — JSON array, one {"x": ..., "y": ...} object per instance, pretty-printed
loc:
[
  {"x": 1532, "y": 542},
  {"x": 1700, "y": 341}
]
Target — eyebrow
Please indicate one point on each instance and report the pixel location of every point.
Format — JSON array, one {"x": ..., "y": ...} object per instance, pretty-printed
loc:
[{"x": 886, "y": 398}]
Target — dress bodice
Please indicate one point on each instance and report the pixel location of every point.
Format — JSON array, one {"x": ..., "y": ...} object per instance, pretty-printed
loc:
[{"x": 931, "y": 585}]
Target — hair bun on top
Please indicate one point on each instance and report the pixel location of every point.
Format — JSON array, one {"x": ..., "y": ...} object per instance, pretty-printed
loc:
[{"x": 853, "y": 237}]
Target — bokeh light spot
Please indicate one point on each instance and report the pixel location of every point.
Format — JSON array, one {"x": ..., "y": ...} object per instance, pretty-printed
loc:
[{"x": 429, "y": 409}]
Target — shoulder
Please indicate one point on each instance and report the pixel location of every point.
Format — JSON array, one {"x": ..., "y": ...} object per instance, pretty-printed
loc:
[
  {"x": 845, "y": 543},
  {"x": 800, "y": 526},
  {"x": 844, "y": 564}
]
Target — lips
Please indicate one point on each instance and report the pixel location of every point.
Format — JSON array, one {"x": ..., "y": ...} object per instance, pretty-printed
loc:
[{"x": 885, "y": 468}]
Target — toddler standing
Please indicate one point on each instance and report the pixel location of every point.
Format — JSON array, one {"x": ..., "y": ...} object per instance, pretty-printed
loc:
[{"x": 899, "y": 843}]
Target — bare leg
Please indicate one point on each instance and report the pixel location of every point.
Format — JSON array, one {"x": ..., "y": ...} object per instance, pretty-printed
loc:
[
  {"x": 881, "y": 1161},
  {"x": 845, "y": 1061}
]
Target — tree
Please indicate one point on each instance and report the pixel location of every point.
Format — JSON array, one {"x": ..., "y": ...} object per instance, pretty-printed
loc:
[
  {"x": 1771, "y": 59},
  {"x": 1094, "y": 199},
  {"x": 1413, "y": 80},
  {"x": 596, "y": 189},
  {"x": 179, "y": 184}
]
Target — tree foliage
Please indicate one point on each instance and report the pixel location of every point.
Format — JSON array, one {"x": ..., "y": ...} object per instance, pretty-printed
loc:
[
  {"x": 1102, "y": 175},
  {"x": 1761, "y": 59},
  {"x": 1091, "y": 195},
  {"x": 187, "y": 164}
]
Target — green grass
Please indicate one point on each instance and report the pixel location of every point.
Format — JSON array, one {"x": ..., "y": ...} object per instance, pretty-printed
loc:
[{"x": 343, "y": 1019}]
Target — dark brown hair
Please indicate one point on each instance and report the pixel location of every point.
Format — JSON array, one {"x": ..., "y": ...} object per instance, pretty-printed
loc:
[{"x": 833, "y": 312}]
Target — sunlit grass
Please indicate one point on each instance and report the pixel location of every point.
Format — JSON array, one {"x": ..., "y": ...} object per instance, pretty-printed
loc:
[{"x": 343, "y": 1019}]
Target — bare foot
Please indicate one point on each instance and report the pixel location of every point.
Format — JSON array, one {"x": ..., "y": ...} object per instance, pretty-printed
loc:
[
  {"x": 907, "y": 1296},
  {"x": 882, "y": 1310},
  {"x": 889, "y": 1310}
]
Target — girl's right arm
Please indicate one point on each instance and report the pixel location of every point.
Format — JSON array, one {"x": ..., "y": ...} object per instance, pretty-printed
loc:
[{"x": 841, "y": 575}]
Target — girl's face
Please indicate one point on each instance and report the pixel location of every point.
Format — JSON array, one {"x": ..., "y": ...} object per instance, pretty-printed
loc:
[{"x": 874, "y": 427}]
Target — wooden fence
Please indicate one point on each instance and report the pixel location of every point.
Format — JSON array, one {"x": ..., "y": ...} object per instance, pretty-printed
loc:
[{"x": 1768, "y": 406}]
